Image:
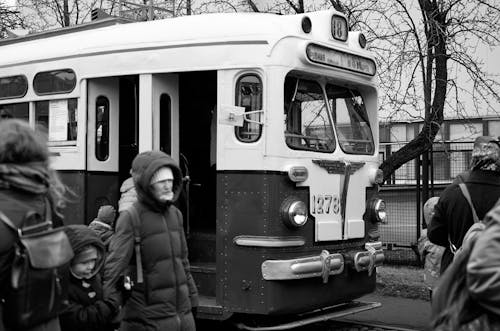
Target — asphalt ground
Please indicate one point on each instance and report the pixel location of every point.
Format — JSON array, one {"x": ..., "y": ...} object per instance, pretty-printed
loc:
[{"x": 401, "y": 312}]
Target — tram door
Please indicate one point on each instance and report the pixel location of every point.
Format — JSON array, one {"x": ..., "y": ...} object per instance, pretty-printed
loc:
[
  {"x": 112, "y": 138},
  {"x": 101, "y": 177}
]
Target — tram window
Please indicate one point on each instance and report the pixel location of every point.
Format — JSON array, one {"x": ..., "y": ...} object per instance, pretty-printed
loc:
[
  {"x": 13, "y": 87},
  {"x": 249, "y": 95},
  {"x": 307, "y": 124},
  {"x": 59, "y": 118},
  {"x": 15, "y": 110},
  {"x": 53, "y": 82},
  {"x": 351, "y": 120},
  {"x": 102, "y": 128},
  {"x": 165, "y": 123}
]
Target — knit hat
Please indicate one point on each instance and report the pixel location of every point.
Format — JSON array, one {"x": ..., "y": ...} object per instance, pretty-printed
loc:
[
  {"x": 486, "y": 154},
  {"x": 106, "y": 214},
  {"x": 161, "y": 174}
]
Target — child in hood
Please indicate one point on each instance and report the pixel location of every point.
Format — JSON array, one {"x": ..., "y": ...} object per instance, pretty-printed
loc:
[
  {"x": 429, "y": 252},
  {"x": 103, "y": 224},
  {"x": 87, "y": 310}
]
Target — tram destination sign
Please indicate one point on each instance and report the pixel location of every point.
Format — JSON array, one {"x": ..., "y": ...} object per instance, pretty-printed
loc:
[{"x": 335, "y": 58}]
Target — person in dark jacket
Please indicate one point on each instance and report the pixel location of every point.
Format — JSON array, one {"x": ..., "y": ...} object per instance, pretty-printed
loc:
[
  {"x": 87, "y": 311},
  {"x": 167, "y": 295},
  {"x": 27, "y": 183},
  {"x": 453, "y": 216},
  {"x": 103, "y": 224}
]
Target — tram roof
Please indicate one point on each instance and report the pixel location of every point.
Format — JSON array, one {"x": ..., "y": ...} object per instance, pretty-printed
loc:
[{"x": 111, "y": 34}]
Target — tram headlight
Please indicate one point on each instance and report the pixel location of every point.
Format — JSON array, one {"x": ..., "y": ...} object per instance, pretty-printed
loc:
[
  {"x": 378, "y": 210},
  {"x": 294, "y": 212}
]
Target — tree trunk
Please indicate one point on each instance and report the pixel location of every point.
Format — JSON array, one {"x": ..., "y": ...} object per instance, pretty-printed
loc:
[
  {"x": 66, "y": 13},
  {"x": 436, "y": 30}
]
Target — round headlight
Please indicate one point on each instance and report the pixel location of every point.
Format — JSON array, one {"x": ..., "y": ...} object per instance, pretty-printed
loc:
[
  {"x": 380, "y": 211},
  {"x": 294, "y": 212}
]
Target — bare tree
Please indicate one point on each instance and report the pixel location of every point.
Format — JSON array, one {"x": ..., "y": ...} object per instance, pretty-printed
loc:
[
  {"x": 10, "y": 18},
  {"x": 420, "y": 49},
  {"x": 49, "y": 14}
]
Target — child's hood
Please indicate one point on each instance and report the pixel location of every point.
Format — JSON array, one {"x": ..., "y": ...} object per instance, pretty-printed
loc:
[{"x": 80, "y": 236}]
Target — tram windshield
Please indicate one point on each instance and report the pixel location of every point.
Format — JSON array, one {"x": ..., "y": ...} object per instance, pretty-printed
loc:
[
  {"x": 350, "y": 119},
  {"x": 307, "y": 124}
]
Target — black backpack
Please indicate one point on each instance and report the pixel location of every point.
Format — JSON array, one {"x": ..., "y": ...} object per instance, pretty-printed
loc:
[{"x": 37, "y": 289}]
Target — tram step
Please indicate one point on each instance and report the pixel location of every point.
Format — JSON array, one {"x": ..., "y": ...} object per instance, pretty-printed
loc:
[
  {"x": 209, "y": 309},
  {"x": 204, "y": 277}
]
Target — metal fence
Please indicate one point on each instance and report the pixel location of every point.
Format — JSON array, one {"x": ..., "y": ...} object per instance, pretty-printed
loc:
[{"x": 401, "y": 232}]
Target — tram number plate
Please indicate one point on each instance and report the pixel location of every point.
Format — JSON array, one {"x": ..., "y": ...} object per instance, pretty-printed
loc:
[{"x": 325, "y": 204}]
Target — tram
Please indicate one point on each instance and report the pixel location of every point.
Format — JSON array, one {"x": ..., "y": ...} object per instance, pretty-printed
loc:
[{"x": 273, "y": 120}]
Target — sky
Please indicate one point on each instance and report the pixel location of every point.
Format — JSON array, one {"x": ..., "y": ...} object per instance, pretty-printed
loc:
[{"x": 8, "y": 2}]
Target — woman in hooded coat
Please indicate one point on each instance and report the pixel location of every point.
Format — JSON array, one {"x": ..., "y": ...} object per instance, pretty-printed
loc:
[{"x": 166, "y": 297}]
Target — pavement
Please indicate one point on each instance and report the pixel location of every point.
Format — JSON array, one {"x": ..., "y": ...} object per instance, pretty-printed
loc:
[{"x": 412, "y": 314}]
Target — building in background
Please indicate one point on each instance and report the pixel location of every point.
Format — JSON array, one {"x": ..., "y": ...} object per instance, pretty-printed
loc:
[{"x": 452, "y": 147}]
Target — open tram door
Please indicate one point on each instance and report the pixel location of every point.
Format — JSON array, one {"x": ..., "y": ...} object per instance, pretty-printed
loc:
[
  {"x": 183, "y": 123},
  {"x": 112, "y": 138}
]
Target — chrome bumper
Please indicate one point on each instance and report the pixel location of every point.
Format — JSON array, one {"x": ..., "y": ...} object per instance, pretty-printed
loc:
[
  {"x": 369, "y": 259},
  {"x": 322, "y": 265},
  {"x": 315, "y": 266}
]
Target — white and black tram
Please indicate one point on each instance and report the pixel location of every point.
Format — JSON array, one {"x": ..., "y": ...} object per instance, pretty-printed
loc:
[{"x": 273, "y": 120}]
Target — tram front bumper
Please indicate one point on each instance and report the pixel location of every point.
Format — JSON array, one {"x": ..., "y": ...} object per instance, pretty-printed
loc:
[{"x": 323, "y": 265}]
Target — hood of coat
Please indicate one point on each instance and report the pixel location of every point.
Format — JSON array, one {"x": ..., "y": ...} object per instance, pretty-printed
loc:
[
  {"x": 144, "y": 166},
  {"x": 80, "y": 237}
]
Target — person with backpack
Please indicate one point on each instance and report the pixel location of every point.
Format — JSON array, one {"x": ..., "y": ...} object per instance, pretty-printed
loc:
[
  {"x": 149, "y": 248},
  {"x": 453, "y": 214},
  {"x": 29, "y": 188},
  {"x": 429, "y": 252},
  {"x": 87, "y": 309},
  {"x": 467, "y": 297}
]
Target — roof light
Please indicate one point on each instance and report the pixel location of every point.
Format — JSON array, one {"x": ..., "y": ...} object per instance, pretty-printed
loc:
[
  {"x": 339, "y": 27},
  {"x": 306, "y": 24},
  {"x": 339, "y": 59},
  {"x": 362, "y": 40}
]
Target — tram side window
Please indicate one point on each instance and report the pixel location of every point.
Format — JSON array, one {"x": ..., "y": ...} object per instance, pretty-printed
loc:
[
  {"x": 249, "y": 96},
  {"x": 59, "y": 118},
  {"x": 307, "y": 124},
  {"x": 13, "y": 87},
  {"x": 102, "y": 128},
  {"x": 351, "y": 120},
  {"x": 56, "y": 81},
  {"x": 15, "y": 110}
]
